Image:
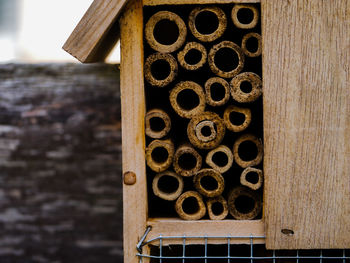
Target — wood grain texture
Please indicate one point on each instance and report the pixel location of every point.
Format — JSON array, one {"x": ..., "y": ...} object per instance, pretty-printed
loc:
[
  {"x": 306, "y": 54},
  {"x": 133, "y": 133},
  {"x": 192, "y": 2}
]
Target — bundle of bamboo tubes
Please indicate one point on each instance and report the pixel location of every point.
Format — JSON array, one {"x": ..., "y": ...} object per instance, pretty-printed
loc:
[{"x": 204, "y": 111}]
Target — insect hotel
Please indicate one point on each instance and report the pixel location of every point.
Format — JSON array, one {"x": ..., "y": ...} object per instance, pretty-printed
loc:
[{"x": 235, "y": 123}]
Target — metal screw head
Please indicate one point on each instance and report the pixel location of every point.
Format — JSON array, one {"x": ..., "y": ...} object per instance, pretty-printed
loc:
[{"x": 129, "y": 178}]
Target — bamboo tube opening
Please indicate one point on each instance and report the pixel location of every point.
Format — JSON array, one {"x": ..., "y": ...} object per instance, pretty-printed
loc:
[
  {"x": 187, "y": 99},
  {"x": 206, "y": 131},
  {"x": 217, "y": 208},
  {"x": 248, "y": 150},
  {"x": 160, "y": 69},
  {"x": 237, "y": 119},
  {"x": 165, "y": 32},
  {"x": 209, "y": 182},
  {"x": 157, "y": 123},
  {"x": 251, "y": 45},
  {"x": 244, "y": 204},
  {"x": 187, "y": 161},
  {"x": 217, "y": 91},
  {"x": 246, "y": 87},
  {"x": 207, "y": 23},
  {"x": 245, "y": 16},
  {"x": 220, "y": 159},
  {"x": 190, "y": 206},
  {"x": 167, "y": 185},
  {"x": 252, "y": 178},
  {"x": 193, "y": 56},
  {"x": 226, "y": 59},
  {"x": 159, "y": 155}
]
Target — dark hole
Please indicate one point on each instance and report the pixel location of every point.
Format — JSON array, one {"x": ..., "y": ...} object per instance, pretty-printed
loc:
[
  {"x": 157, "y": 124},
  {"x": 193, "y": 56},
  {"x": 245, "y": 15},
  {"x": 206, "y": 131},
  {"x": 247, "y": 150},
  {"x": 160, "y": 69},
  {"x": 237, "y": 118},
  {"x": 246, "y": 87},
  {"x": 159, "y": 154},
  {"x": 226, "y": 59},
  {"x": 206, "y": 22},
  {"x": 187, "y": 99},
  {"x": 166, "y": 32},
  {"x": 187, "y": 161},
  {"x": 190, "y": 205},
  {"x": 217, "y": 91},
  {"x": 217, "y": 208},
  {"x": 209, "y": 183},
  {"x": 220, "y": 159},
  {"x": 252, "y": 44},
  {"x": 244, "y": 204},
  {"x": 252, "y": 177},
  {"x": 168, "y": 184},
  {"x": 287, "y": 232}
]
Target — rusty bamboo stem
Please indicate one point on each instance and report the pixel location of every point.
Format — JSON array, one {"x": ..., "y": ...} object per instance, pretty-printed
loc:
[
  {"x": 207, "y": 187},
  {"x": 239, "y": 24},
  {"x": 253, "y": 158},
  {"x": 234, "y": 123},
  {"x": 199, "y": 212},
  {"x": 215, "y": 162},
  {"x": 213, "y": 215},
  {"x": 157, "y": 123},
  {"x": 246, "y": 181},
  {"x": 187, "y": 161},
  {"x": 159, "y": 155},
  {"x": 210, "y": 92},
  {"x": 164, "y": 193},
  {"x": 236, "y": 87},
  {"x": 244, "y": 45},
  {"x": 183, "y": 55}
]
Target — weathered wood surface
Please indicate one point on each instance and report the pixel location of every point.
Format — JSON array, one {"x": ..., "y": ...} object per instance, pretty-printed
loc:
[
  {"x": 60, "y": 163},
  {"x": 306, "y": 123}
]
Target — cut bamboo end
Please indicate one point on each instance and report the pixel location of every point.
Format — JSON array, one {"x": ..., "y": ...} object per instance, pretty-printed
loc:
[
  {"x": 243, "y": 203},
  {"x": 217, "y": 208},
  {"x": 248, "y": 151},
  {"x": 221, "y": 54},
  {"x": 160, "y": 69},
  {"x": 243, "y": 8},
  {"x": 187, "y": 99},
  {"x": 196, "y": 127},
  {"x": 247, "y": 49},
  {"x": 190, "y": 206},
  {"x": 159, "y": 25},
  {"x": 193, "y": 56},
  {"x": 167, "y": 185},
  {"x": 187, "y": 161},
  {"x": 159, "y": 155},
  {"x": 220, "y": 159},
  {"x": 158, "y": 123},
  {"x": 252, "y": 178},
  {"x": 205, "y": 131},
  {"x": 246, "y": 87},
  {"x": 201, "y": 21},
  {"x": 209, "y": 182},
  {"x": 237, "y": 119},
  {"x": 217, "y": 91}
]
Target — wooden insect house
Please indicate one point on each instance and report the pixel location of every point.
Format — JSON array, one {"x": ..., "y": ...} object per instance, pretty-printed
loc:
[{"x": 236, "y": 126}]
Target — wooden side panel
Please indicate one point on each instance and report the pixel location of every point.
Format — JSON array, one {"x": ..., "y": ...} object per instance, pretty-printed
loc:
[
  {"x": 306, "y": 55},
  {"x": 194, "y": 2},
  {"x": 133, "y": 137}
]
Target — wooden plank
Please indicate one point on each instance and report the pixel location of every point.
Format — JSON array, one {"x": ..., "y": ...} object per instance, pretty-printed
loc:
[
  {"x": 306, "y": 54},
  {"x": 176, "y": 227},
  {"x": 97, "y": 32},
  {"x": 192, "y": 2},
  {"x": 133, "y": 135}
]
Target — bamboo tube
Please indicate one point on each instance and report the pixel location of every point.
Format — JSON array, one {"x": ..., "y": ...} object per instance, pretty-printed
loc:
[
  {"x": 199, "y": 209},
  {"x": 254, "y": 185},
  {"x": 149, "y": 73},
  {"x": 207, "y": 36},
  {"x": 195, "y": 127},
  {"x": 187, "y": 161},
  {"x": 152, "y": 39},
  {"x": 211, "y": 94},
  {"x": 217, "y": 215},
  {"x": 224, "y": 45},
  {"x": 184, "y": 56},
  {"x": 243, "y": 203},
  {"x": 163, "y": 192},
  {"x": 210, "y": 126},
  {"x": 159, "y": 155},
  {"x": 215, "y": 163},
  {"x": 187, "y": 99},
  {"x": 158, "y": 123},
  {"x": 236, "y": 87},
  {"x": 244, "y": 45},
  {"x": 238, "y": 23},
  {"x": 243, "y": 157},
  {"x": 209, "y": 187},
  {"x": 234, "y": 123}
]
